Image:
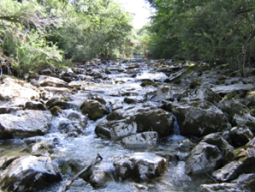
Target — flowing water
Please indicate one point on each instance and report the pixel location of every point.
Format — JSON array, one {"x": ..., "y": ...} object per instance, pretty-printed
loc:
[{"x": 86, "y": 146}]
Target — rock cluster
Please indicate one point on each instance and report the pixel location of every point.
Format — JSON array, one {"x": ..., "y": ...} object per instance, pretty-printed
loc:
[{"x": 215, "y": 113}]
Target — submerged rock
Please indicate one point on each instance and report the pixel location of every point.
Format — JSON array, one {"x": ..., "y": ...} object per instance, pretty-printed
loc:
[
  {"x": 29, "y": 173},
  {"x": 24, "y": 124},
  {"x": 140, "y": 166}
]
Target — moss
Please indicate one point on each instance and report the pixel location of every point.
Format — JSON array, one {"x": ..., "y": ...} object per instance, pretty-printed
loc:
[
  {"x": 149, "y": 83},
  {"x": 55, "y": 111},
  {"x": 195, "y": 83},
  {"x": 231, "y": 95}
]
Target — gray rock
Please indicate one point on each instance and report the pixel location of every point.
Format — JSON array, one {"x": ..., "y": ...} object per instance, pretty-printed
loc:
[
  {"x": 220, "y": 187},
  {"x": 240, "y": 135},
  {"x": 217, "y": 140},
  {"x": 94, "y": 109},
  {"x": 24, "y": 124},
  {"x": 15, "y": 92},
  {"x": 101, "y": 174},
  {"x": 231, "y": 88},
  {"x": 115, "y": 129},
  {"x": 48, "y": 81},
  {"x": 235, "y": 168},
  {"x": 134, "y": 121},
  {"x": 140, "y": 140},
  {"x": 203, "y": 158},
  {"x": 199, "y": 118},
  {"x": 140, "y": 166},
  {"x": 29, "y": 173}
]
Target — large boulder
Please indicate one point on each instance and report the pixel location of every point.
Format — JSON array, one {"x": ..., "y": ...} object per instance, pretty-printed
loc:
[
  {"x": 115, "y": 129},
  {"x": 198, "y": 118},
  {"x": 29, "y": 173},
  {"x": 120, "y": 123},
  {"x": 202, "y": 93},
  {"x": 48, "y": 81},
  {"x": 236, "y": 112},
  {"x": 203, "y": 158},
  {"x": 15, "y": 92},
  {"x": 140, "y": 166},
  {"x": 94, "y": 109},
  {"x": 24, "y": 124}
]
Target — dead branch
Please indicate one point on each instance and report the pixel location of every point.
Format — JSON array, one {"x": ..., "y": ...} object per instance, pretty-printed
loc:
[{"x": 88, "y": 168}]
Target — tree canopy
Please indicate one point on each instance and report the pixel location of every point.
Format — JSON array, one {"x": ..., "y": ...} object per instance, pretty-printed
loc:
[
  {"x": 35, "y": 33},
  {"x": 208, "y": 30}
]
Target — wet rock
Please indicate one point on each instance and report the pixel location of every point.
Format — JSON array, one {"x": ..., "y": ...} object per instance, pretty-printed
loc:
[
  {"x": 217, "y": 140},
  {"x": 94, "y": 109},
  {"x": 24, "y": 124},
  {"x": 136, "y": 121},
  {"x": 141, "y": 140},
  {"x": 200, "y": 93},
  {"x": 240, "y": 135},
  {"x": 115, "y": 129},
  {"x": 154, "y": 120},
  {"x": 62, "y": 103},
  {"x": 140, "y": 166},
  {"x": 247, "y": 181},
  {"x": 29, "y": 173},
  {"x": 177, "y": 74},
  {"x": 243, "y": 162},
  {"x": 35, "y": 105},
  {"x": 235, "y": 168},
  {"x": 67, "y": 126},
  {"x": 71, "y": 166},
  {"x": 4, "y": 110},
  {"x": 41, "y": 148},
  {"x": 233, "y": 107},
  {"x": 220, "y": 187},
  {"x": 232, "y": 88},
  {"x": 198, "y": 118},
  {"x": 17, "y": 92},
  {"x": 48, "y": 81},
  {"x": 101, "y": 174},
  {"x": 185, "y": 145},
  {"x": 203, "y": 158},
  {"x": 55, "y": 111}
]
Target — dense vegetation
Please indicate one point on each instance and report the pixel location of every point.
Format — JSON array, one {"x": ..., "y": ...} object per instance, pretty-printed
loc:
[
  {"x": 37, "y": 33},
  {"x": 209, "y": 30}
]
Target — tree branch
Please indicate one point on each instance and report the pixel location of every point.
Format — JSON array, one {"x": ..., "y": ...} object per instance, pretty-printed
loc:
[{"x": 86, "y": 169}]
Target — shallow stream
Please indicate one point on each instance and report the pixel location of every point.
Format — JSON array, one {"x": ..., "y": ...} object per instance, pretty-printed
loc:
[{"x": 86, "y": 146}]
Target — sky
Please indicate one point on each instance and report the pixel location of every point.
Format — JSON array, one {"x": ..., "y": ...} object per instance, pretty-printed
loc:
[{"x": 140, "y": 10}]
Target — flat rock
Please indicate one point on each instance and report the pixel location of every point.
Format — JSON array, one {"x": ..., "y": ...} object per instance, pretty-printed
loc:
[
  {"x": 230, "y": 88},
  {"x": 24, "y": 124}
]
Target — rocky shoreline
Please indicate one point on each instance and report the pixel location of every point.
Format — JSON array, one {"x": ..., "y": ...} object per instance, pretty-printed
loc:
[{"x": 213, "y": 107}]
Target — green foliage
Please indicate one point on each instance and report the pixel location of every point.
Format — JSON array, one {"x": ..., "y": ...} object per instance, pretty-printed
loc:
[
  {"x": 210, "y": 30},
  {"x": 38, "y": 33}
]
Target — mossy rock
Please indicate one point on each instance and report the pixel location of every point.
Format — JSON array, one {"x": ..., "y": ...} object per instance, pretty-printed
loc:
[
  {"x": 55, "y": 111},
  {"x": 130, "y": 100},
  {"x": 94, "y": 109},
  {"x": 148, "y": 82}
]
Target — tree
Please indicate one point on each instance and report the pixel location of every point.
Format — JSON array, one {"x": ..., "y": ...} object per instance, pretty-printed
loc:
[{"x": 210, "y": 30}]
